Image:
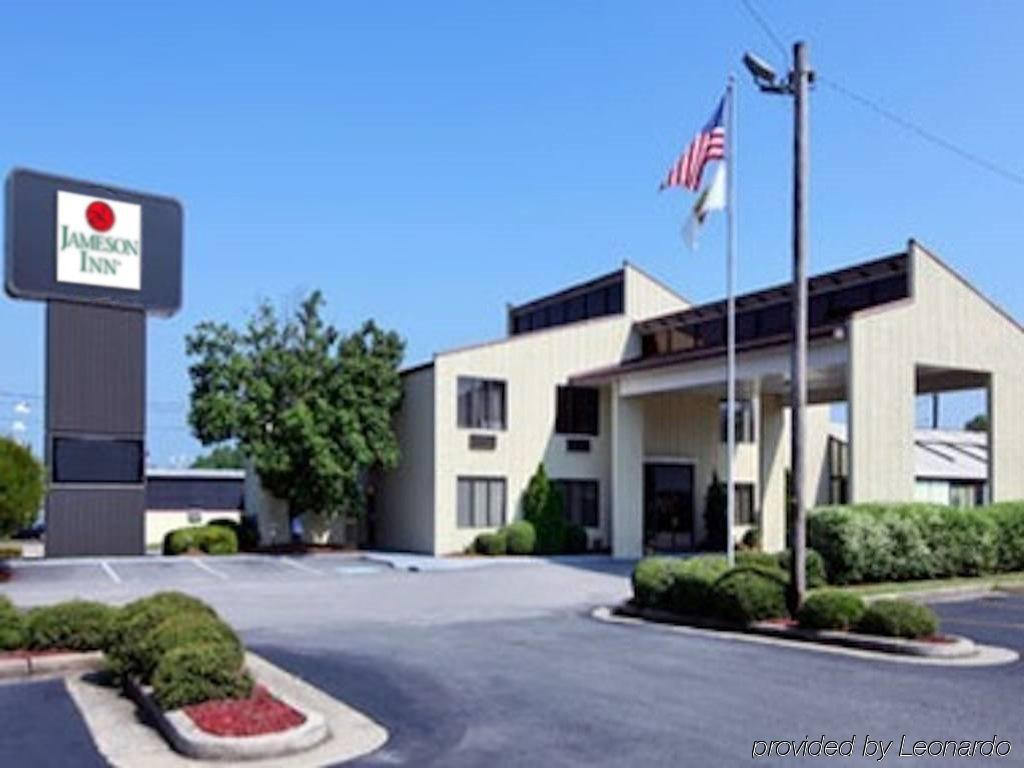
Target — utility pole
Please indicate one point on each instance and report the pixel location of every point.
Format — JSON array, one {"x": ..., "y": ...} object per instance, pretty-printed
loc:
[{"x": 800, "y": 79}]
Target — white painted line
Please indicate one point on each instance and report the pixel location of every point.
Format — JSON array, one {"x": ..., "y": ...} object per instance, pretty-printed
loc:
[
  {"x": 110, "y": 572},
  {"x": 300, "y": 566},
  {"x": 198, "y": 563}
]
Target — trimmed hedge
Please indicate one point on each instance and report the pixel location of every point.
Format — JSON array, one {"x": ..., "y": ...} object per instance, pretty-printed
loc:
[
  {"x": 124, "y": 650},
  {"x": 814, "y": 564},
  {"x": 13, "y": 633},
  {"x": 246, "y": 530},
  {"x": 691, "y": 591},
  {"x": 213, "y": 539},
  {"x": 899, "y": 542},
  {"x": 198, "y": 672},
  {"x": 491, "y": 543},
  {"x": 76, "y": 625},
  {"x": 898, "y": 618},
  {"x": 831, "y": 609},
  {"x": 652, "y": 577},
  {"x": 745, "y": 595},
  {"x": 520, "y": 537},
  {"x": 186, "y": 629}
]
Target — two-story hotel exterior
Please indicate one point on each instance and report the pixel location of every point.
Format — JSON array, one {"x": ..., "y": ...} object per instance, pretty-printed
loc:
[{"x": 617, "y": 386}]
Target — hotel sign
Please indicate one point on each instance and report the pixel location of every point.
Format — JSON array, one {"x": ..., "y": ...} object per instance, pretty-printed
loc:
[{"x": 73, "y": 240}]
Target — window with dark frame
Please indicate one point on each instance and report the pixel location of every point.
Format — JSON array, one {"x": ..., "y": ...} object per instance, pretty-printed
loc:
[
  {"x": 576, "y": 411},
  {"x": 480, "y": 502},
  {"x": 481, "y": 403},
  {"x": 746, "y": 510},
  {"x": 580, "y": 501},
  {"x": 744, "y": 415},
  {"x": 838, "y": 471}
]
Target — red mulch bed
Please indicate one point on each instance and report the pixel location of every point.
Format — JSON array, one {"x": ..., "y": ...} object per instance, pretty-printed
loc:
[
  {"x": 936, "y": 639},
  {"x": 259, "y": 714},
  {"x": 782, "y": 622}
]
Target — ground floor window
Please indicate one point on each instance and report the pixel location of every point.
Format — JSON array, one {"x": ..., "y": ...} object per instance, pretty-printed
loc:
[
  {"x": 580, "y": 499},
  {"x": 746, "y": 511},
  {"x": 966, "y": 494},
  {"x": 838, "y": 471},
  {"x": 481, "y": 502}
]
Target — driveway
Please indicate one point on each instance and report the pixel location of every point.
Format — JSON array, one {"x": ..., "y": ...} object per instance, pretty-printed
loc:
[{"x": 503, "y": 665}]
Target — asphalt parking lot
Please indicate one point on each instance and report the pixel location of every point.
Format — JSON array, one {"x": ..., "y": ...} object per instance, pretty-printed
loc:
[{"x": 503, "y": 665}]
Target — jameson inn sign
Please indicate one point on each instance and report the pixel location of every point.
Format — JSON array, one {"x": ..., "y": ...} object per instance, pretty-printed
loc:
[
  {"x": 102, "y": 258},
  {"x": 85, "y": 242}
]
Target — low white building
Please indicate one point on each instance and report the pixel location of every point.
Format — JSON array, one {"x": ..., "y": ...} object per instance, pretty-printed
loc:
[{"x": 617, "y": 385}]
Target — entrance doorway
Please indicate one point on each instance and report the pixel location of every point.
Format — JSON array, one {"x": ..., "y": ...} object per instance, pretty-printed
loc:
[{"x": 668, "y": 506}]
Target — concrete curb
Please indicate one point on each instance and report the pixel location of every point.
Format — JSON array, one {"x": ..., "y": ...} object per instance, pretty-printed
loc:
[
  {"x": 50, "y": 664},
  {"x": 960, "y": 648},
  {"x": 188, "y": 739},
  {"x": 983, "y": 655}
]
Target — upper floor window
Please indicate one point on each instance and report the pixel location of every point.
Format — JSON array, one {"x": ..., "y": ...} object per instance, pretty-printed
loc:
[
  {"x": 481, "y": 403},
  {"x": 744, "y": 416},
  {"x": 576, "y": 411}
]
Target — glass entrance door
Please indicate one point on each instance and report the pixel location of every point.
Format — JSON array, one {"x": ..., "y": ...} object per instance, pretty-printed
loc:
[{"x": 668, "y": 506}]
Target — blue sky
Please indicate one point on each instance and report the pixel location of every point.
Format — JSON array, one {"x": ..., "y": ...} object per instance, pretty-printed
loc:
[{"x": 425, "y": 163}]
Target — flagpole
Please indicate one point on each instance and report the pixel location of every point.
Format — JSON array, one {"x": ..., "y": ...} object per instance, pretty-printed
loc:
[{"x": 730, "y": 281}]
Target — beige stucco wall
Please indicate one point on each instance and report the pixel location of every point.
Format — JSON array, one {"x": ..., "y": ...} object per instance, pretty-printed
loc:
[
  {"x": 946, "y": 324},
  {"x": 533, "y": 365},
  {"x": 405, "y": 503},
  {"x": 161, "y": 522}
]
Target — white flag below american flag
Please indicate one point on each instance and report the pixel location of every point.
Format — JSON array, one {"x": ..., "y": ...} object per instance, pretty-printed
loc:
[{"x": 706, "y": 146}]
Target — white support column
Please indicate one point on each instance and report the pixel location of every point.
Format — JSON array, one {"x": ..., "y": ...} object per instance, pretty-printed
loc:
[{"x": 627, "y": 475}]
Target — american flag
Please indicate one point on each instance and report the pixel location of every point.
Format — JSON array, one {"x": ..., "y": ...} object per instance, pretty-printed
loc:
[{"x": 706, "y": 146}]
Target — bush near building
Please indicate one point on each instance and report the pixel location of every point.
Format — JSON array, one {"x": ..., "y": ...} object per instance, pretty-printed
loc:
[
  {"x": 213, "y": 539},
  {"x": 901, "y": 542},
  {"x": 898, "y": 618},
  {"x": 744, "y": 595},
  {"x": 12, "y": 626},
  {"x": 521, "y": 537},
  {"x": 491, "y": 543},
  {"x": 21, "y": 486}
]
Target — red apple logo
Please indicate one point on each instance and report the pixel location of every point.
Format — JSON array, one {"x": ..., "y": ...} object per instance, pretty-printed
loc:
[{"x": 100, "y": 216}]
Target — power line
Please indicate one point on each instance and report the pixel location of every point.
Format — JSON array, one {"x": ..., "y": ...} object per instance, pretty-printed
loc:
[
  {"x": 906, "y": 124},
  {"x": 924, "y": 133}
]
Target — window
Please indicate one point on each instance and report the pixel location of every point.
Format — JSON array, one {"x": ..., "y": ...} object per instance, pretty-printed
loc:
[
  {"x": 576, "y": 411},
  {"x": 86, "y": 460},
  {"x": 744, "y": 415},
  {"x": 581, "y": 501},
  {"x": 966, "y": 494},
  {"x": 481, "y": 502},
  {"x": 838, "y": 471},
  {"x": 481, "y": 403},
  {"x": 743, "y": 494}
]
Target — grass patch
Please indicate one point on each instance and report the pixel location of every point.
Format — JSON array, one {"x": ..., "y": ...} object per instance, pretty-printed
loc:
[{"x": 990, "y": 581}]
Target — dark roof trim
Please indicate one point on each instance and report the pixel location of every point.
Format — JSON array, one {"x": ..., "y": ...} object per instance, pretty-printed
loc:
[
  {"x": 416, "y": 368},
  {"x": 572, "y": 290}
]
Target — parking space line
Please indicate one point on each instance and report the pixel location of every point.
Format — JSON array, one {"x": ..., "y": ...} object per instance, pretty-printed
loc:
[
  {"x": 300, "y": 566},
  {"x": 110, "y": 572},
  {"x": 204, "y": 567}
]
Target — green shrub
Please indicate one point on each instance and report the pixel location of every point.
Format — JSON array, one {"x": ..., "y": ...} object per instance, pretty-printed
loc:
[
  {"x": 1008, "y": 518},
  {"x": 962, "y": 541},
  {"x": 198, "y": 672},
  {"x": 184, "y": 629},
  {"x": 76, "y": 625},
  {"x": 246, "y": 530},
  {"x": 10, "y": 552},
  {"x": 744, "y": 595},
  {"x": 898, "y": 618},
  {"x": 542, "y": 506},
  {"x": 852, "y": 542},
  {"x": 751, "y": 539},
  {"x": 21, "y": 486},
  {"x": 715, "y": 515},
  {"x": 778, "y": 563},
  {"x": 521, "y": 538},
  {"x": 651, "y": 579},
  {"x": 576, "y": 539},
  {"x": 831, "y": 609},
  {"x": 691, "y": 587},
  {"x": 211, "y": 539},
  {"x": 125, "y": 652},
  {"x": 13, "y": 633},
  {"x": 491, "y": 543}
]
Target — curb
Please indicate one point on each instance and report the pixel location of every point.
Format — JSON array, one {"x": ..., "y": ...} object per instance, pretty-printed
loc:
[
  {"x": 960, "y": 648},
  {"x": 981, "y": 655},
  {"x": 51, "y": 664},
  {"x": 187, "y": 738}
]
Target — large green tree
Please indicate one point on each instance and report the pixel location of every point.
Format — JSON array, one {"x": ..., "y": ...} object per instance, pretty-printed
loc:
[
  {"x": 311, "y": 406},
  {"x": 22, "y": 485}
]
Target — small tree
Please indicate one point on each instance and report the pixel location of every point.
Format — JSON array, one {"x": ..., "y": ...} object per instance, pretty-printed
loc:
[
  {"x": 977, "y": 424},
  {"x": 22, "y": 485},
  {"x": 221, "y": 457},
  {"x": 312, "y": 408},
  {"x": 542, "y": 506},
  {"x": 715, "y": 508}
]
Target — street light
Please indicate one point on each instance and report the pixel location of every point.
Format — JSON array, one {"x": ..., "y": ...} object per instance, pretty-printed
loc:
[{"x": 796, "y": 84}]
